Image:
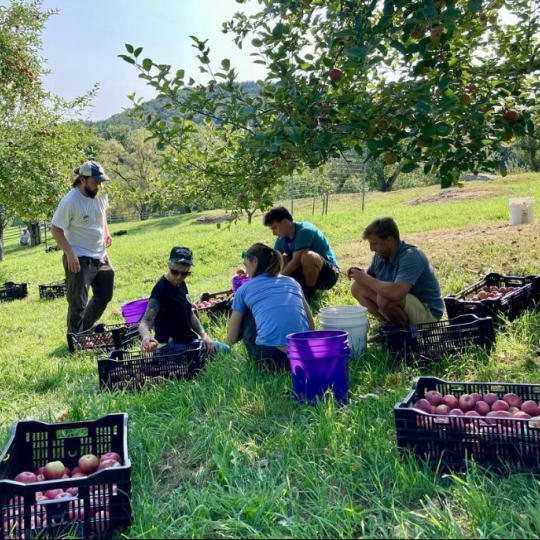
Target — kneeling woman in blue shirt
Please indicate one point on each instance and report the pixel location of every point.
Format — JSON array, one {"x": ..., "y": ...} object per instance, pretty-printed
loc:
[{"x": 267, "y": 308}]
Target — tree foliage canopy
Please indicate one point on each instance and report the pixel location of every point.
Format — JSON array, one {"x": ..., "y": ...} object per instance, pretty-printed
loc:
[{"x": 437, "y": 84}]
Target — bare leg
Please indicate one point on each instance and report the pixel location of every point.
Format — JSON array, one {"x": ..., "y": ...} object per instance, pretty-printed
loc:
[
  {"x": 367, "y": 298},
  {"x": 312, "y": 264},
  {"x": 393, "y": 311}
]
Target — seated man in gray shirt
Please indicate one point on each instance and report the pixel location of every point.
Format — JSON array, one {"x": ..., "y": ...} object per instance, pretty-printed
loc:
[{"x": 400, "y": 285}]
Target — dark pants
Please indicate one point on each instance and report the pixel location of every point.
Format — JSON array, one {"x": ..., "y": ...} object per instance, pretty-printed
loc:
[
  {"x": 327, "y": 278},
  {"x": 266, "y": 357},
  {"x": 95, "y": 273}
]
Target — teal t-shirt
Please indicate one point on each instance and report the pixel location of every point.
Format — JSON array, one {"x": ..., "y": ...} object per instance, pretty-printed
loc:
[
  {"x": 410, "y": 265},
  {"x": 306, "y": 236}
]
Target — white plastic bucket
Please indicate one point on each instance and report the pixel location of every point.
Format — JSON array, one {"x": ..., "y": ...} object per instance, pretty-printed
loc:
[
  {"x": 352, "y": 319},
  {"x": 521, "y": 210}
]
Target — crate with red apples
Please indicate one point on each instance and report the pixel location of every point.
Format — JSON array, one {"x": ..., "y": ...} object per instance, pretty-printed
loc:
[
  {"x": 67, "y": 479},
  {"x": 214, "y": 304},
  {"x": 496, "y": 295},
  {"x": 449, "y": 424},
  {"x": 104, "y": 337}
]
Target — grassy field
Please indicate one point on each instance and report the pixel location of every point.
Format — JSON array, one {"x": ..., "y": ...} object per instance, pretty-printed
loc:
[{"x": 231, "y": 454}]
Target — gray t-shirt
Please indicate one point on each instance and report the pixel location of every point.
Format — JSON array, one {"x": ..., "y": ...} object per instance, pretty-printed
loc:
[
  {"x": 410, "y": 265},
  {"x": 83, "y": 219}
]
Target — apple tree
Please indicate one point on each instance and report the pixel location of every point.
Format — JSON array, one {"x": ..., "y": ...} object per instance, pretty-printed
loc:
[
  {"x": 38, "y": 144},
  {"x": 436, "y": 84}
]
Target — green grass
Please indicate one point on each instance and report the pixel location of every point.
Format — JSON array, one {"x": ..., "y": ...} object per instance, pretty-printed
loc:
[{"x": 231, "y": 454}]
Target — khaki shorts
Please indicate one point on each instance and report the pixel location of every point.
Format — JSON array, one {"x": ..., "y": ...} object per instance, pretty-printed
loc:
[{"x": 417, "y": 312}]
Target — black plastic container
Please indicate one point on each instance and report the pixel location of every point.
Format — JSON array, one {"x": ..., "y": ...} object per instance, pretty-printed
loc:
[
  {"x": 102, "y": 503},
  {"x": 222, "y": 303},
  {"x": 13, "y": 291},
  {"x": 511, "y": 305},
  {"x": 52, "y": 291},
  {"x": 104, "y": 337},
  {"x": 130, "y": 370},
  {"x": 431, "y": 341},
  {"x": 452, "y": 441}
]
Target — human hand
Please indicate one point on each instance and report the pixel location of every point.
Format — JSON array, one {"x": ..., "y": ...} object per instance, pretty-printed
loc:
[
  {"x": 108, "y": 240},
  {"x": 353, "y": 270},
  {"x": 210, "y": 347},
  {"x": 73, "y": 263},
  {"x": 149, "y": 344}
]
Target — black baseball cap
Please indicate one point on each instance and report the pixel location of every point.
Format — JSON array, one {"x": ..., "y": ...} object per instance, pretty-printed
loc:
[{"x": 181, "y": 255}]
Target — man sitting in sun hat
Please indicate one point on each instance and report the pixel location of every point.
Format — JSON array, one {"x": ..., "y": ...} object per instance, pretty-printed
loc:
[{"x": 170, "y": 310}]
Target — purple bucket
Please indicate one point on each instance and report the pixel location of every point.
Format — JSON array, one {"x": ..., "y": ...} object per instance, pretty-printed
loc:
[
  {"x": 237, "y": 282},
  {"x": 319, "y": 362},
  {"x": 133, "y": 311},
  {"x": 312, "y": 377}
]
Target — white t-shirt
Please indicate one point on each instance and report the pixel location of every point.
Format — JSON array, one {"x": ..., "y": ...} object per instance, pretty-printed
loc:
[{"x": 82, "y": 219}]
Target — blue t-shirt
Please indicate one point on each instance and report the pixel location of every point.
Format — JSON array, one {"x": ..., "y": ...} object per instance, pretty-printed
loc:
[
  {"x": 306, "y": 236},
  {"x": 277, "y": 305},
  {"x": 410, "y": 265}
]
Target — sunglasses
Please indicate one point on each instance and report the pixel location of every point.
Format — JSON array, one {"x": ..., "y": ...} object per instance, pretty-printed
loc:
[
  {"x": 247, "y": 255},
  {"x": 179, "y": 273}
]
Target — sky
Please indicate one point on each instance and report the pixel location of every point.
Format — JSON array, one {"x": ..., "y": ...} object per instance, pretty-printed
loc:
[{"x": 82, "y": 42}]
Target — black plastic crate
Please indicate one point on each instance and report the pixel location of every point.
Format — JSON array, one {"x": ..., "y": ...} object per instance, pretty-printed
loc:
[
  {"x": 104, "y": 337},
  {"x": 431, "y": 341},
  {"x": 130, "y": 370},
  {"x": 50, "y": 249},
  {"x": 100, "y": 503},
  {"x": 220, "y": 303},
  {"x": 52, "y": 291},
  {"x": 511, "y": 305},
  {"x": 452, "y": 441},
  {"x": 13, "y": 291}
]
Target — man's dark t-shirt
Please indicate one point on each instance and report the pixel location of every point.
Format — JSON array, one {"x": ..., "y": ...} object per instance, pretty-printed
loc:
[{"x": 173, "y": 320}]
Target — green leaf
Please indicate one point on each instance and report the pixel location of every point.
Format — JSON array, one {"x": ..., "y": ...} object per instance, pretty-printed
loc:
[
  {"x": 147, "y": 64},
  {"x": 127, "y": 59},
  {"x": 226, "y": 64},
  {"x": 430, "y": 12},
  {"x": 474, "y": 6},
  {"x": 409, "y": 167},
  {"x": 129, "y": 48},
  {"x": 137, "y": 51},
  {"x": 256, "y": 43}
]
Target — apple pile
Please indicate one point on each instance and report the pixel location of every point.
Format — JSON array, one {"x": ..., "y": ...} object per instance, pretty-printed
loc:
[
  {"x": 487, "y": 408},
  {"x": 55, "y": 470},
  {"x": 492, "y": 293},
  {"x": 207, "y": 303}
]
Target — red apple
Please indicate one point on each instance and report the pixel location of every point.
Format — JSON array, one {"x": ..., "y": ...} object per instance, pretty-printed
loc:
[
  {"x": 75, "y": 470},
  {"x": 390, "y": 158},
  {"x": 476, "y": 397},
  {"x": 521, "y": 414},
  {"x": 67, "y": 471},
  {"x": 511, "y": 116},
  {"x": 54, "y": 470},
  {"x": 482, "y": 408},
  {"x": 26, "y": 477},
  {"x": 513, "y": 400},
  {"x": 530, "y": 407},
  {"x": 492, "y": 416},
  {"x": 52, "y": 493},
  {"x": 39, "y": 470},
  {"x": 111, "y": 455},
  {"x": 442, "y": 409},
  {"x": 63, "y": 495},
  {"x": 500, "y": 405},
  {"x": 88, "y": 463},
  {"x": 490, "y": 398},
  {"x": 73, "y": 491},
  {"x": 465, "y": 99},
  {"x": 466, "y": 402},
  {"x": 451, "y": 401},
  {"x": 535, "y": 422},
  {"x": 108, "y": 463},
  {"x": 383, "y": 124},
  {"x": 78, "y": 475},
  {"x": 335, "y": 74},
  {"x": 434, "y": 397},
  {"x": 101, "y": 521},
  {"x": 423, "y": 405},
  {"x": 456, "y": 412},
  {"x": 472, "y": 413}
]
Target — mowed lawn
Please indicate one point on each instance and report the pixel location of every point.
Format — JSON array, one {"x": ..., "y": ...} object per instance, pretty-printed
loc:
[{"x": 231, "y": 454}]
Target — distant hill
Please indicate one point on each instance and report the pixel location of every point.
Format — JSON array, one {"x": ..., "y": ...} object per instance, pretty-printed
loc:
[{"x": 125, "y": 118}]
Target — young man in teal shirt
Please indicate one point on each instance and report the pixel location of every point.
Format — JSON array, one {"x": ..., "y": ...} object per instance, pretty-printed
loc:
[
  {"x": 307, "y": 255},
  {"x": 400, "y": 285}
]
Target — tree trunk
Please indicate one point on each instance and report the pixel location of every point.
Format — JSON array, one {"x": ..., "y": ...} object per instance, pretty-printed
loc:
[
  {"x": 385, "y": 184},
  {"x": 1, "y": 242},
  {"x": 35, "y": 233},
  {"x": 250, "y": 216},
  {"x": 534, "y": 161},
  {"x": 143, "y": 213}
]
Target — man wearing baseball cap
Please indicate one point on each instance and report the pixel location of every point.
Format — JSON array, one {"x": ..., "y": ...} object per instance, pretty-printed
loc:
[
  {"x": 79, "y": 226},
  {"x": 170, "y": 311}
]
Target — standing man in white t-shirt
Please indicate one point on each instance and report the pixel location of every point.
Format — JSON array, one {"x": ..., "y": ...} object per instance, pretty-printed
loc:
[{"x": 80, "y": 228}]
